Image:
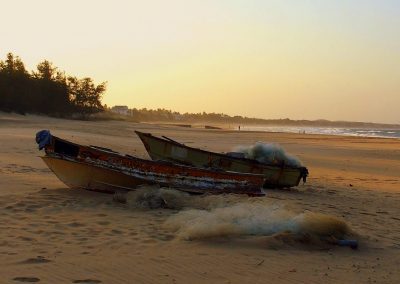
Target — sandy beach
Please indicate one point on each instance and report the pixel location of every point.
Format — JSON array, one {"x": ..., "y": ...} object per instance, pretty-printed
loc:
[{"x": 52, "y": 234}]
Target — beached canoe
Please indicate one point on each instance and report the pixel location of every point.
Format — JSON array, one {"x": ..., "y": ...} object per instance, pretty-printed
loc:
[
  {"x": 102, "y": 169},
  {"x": 166, "y": 149}
]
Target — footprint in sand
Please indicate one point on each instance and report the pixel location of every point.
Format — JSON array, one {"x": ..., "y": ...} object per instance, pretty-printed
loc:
[
  {"x": 369, "y": 214},
  {"x": 27, "y": 239},
  {"x": 87, "y": 281},
  {"x": 165, "y": 237},
  {"x": 149, "y": 241},
  {"x": 76, "y": 224},
  {"x": 27, "y": 279},
  {"x": 116, "y": 232}
]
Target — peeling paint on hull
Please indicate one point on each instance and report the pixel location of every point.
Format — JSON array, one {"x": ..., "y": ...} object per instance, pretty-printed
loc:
[{"x": 89, "y": 167}]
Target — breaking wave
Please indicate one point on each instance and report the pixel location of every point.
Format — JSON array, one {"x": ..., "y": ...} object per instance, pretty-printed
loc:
[{"x": 268, "y": 153}]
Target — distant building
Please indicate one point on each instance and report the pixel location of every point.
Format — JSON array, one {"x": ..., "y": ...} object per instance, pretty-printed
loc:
[{"x": 123, "y": 110}]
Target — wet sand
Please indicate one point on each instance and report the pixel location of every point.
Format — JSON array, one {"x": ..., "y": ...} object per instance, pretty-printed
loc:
[{"x": 51, "y": 234}]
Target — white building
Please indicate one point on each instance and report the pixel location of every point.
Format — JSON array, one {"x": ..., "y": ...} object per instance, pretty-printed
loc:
[{"x": 123, "y": 110}]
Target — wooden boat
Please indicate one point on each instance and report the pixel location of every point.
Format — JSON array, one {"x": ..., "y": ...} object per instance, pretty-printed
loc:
[
  {"x": 276, "y": 176},
  {"x": 102, "y": 169},
  {"x": 76, "y": 174}
]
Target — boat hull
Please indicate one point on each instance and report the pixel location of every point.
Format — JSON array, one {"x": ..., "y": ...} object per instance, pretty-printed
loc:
[
  {"x": 169, "y": 150},
  {"x": 81, "y": 175}
]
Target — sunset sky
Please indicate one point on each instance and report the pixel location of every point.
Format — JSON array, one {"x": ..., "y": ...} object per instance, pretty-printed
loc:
[{"x": 337, "y": 59}]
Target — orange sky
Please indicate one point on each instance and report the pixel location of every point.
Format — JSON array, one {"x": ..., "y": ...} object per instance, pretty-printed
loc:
[{"x": 300, "y": 59}]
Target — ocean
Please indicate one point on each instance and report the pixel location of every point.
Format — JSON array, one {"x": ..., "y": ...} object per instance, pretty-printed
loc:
[{"x": 362, "y": 132}]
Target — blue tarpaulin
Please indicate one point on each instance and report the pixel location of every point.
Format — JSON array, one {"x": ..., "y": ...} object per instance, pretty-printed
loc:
[{"x": 43, "y": 138}]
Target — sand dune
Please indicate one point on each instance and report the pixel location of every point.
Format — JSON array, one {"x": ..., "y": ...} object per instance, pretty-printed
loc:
[{"x": 51, "y": 234}]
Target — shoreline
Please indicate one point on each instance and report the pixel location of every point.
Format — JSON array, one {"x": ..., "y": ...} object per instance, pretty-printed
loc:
[
  {"x": 223, "y": 127},
  {"x": 13, "y": 117}
]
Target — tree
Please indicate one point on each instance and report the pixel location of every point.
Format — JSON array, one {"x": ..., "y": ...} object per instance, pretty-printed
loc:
[
  {"x": 46, "y": 90},
  {"x": 45, "y": 71},
  {"x": 85, "y": 95},
  {"x": 12, "y": 65},
  {"x": 51, "y": 92},
  {"x": 14, "y": 85}
]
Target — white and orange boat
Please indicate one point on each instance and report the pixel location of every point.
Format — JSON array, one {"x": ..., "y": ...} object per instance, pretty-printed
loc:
[{"x": 101, "y": 169}]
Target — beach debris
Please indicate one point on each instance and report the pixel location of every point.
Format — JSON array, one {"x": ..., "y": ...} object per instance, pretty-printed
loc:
[
  {"x": 261, "y": 262},
  {"x": 149, "y": 198},
  {"x": 120, "y": 197},
  {"x": 36, "y": 260},
  {"x": 249, "y": 219},
  {"x": 152, "y": 197}
]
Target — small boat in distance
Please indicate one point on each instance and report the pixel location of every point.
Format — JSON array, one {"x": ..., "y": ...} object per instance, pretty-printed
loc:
[
  {"x": 166, "y": 149},
  {"x": 102, "y": 169}
]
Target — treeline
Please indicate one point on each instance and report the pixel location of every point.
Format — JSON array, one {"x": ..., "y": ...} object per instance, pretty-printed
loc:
[
  {"x": 145, "y": 114},
  {"x": 164, "y": 115},
  {"x": 46, "y": 90}
]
